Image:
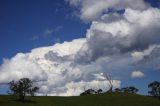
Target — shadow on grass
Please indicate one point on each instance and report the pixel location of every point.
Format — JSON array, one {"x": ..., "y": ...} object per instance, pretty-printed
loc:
[
  {"x": 1, "y": 102},
  {"x": 25, "y": 101}
]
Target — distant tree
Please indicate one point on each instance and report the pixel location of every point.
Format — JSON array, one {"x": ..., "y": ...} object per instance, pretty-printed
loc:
[
  {"x": 133, "y": 89},
  {"x": 130, "y": 89},
  {"x": 99, "y": 91},
  {"x": 91, "y": 91},
  {"x": 83, "y": 94},
  {"x": 33, "y": 90},
  {"x": 22, "y": 87},
  {"x": 88, "y": 92},
  {"x": 118, "y": 90},
  {"x": 13, "y": 86},
  {"x": 125, "y": 89},
  {"x": 154, "y": 89}
]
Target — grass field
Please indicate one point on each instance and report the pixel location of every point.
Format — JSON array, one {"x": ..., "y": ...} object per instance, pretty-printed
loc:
[{"x": 111, "y": 99}]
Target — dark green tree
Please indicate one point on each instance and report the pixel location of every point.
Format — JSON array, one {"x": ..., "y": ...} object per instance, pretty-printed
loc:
[
  {"x": 130, "y": 89},
  {"x": 22, "y": 87},
  {"x": 33, "y": 90},
  {"x": 99, "y": 91},
  {"x": 88, "y": 92},
  {"x": 154, "y": 89},
  {"x": 118, "y": 90}
]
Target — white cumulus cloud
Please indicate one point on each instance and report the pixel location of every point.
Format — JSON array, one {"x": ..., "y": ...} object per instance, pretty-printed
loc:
[
  {"x": 91, "y": 10},
  {"x": 114, "y": 44},
  {"x": 137, "y": 74},
  {"x": 53, "y": 70}
]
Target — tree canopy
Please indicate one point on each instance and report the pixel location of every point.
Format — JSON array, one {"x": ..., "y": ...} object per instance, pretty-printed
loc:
[
  {"x": 22, "y": 87},
  {"x": 154, "y": 89},
  {"x": 130, "y": 89}
]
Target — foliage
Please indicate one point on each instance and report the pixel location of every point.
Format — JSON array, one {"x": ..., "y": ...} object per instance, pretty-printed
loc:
[
  {"x": 22, "y": 87},
  {"x": 91, "y": 91},
  {"x": 99, "y": 91},
  {"x": 154, "y": 89},
  {"x": 130, "y": 89}
]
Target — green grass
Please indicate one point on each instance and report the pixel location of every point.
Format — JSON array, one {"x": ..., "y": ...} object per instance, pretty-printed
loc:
[{"x": 111, "y": 99}]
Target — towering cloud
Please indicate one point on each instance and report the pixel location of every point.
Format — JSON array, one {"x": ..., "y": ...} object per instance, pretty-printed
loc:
[
  {"x": 91, "y": 10},
  {"x": 53, "y": 70},
  {"x": 115, "y": 44},
  {"x": 134, "y": 31}
]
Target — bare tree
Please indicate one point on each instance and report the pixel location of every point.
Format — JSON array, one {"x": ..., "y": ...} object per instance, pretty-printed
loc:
[{"x": 109, "y": 79}]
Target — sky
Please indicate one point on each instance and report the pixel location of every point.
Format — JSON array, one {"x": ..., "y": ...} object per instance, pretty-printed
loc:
[
  {"x": 68, "y": 45},
  {"x": 25, "y": 23}
]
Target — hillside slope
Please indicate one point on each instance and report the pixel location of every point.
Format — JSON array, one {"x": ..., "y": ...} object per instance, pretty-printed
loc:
[{"x": 112, "y": 99}]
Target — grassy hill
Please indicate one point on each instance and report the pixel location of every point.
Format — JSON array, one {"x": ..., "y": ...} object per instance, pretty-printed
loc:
[{"x": 111, "y": 99}]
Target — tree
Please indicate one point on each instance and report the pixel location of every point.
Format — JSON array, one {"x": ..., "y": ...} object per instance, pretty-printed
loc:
[
  {"x": 88, "y": 92},
  {"x": 130, "y": 89},
  {"x": 99, "y": 91},
  {"x": 33, "y": 90},
  {"x": 108, "y": 77},
  {"x": 133, "y": 89},
  {"x": 22, "y": 87},
  {"x": 154, "y": 89},
  {"x": 13, "y": 88},
  {"x": 118, "y": 90},
  {"x": 91, "y": 91}
]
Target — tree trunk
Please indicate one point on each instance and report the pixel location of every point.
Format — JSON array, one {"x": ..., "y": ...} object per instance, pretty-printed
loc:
[
  {"x": 111, "y": 89},
  {"x": 22, "y": 97}
]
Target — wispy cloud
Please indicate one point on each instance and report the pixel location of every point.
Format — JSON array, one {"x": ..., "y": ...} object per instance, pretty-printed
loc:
[
  {"x": 57, "y": 40},
  {"x": 34, "y": 38},
  {"x": 58, "y": 28},
  {"x": 48, "y": 33}
]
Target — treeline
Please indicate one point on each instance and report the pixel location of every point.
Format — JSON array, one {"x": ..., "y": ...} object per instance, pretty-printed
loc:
[
  {"x": 154, "y": 90},
  {"x": 25, "y": 87},
  {"x": 130, "y": 89}
]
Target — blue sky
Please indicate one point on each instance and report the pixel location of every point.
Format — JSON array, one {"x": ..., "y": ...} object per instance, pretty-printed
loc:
[
  {"x": 28, "y": 24},
  {"x": 24, "y": 23}
]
